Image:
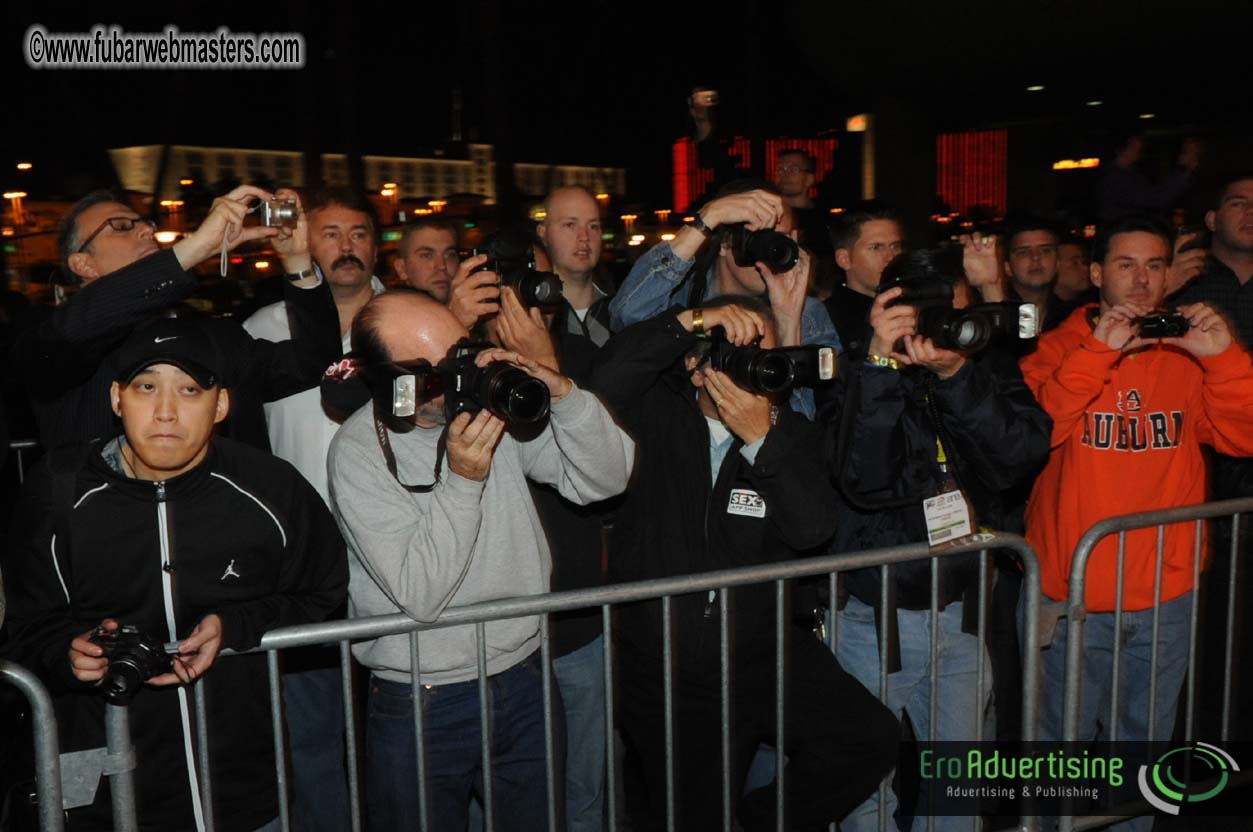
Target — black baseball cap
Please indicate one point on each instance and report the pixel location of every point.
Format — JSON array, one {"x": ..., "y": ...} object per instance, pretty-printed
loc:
[{"x": 180, "y": 342}]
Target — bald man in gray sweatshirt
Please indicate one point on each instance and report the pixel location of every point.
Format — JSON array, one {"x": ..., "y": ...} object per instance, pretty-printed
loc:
[{"x": 473, "y": 536}]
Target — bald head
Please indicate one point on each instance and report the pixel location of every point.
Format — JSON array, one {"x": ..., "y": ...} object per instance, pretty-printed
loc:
[
  {"x": 571, "y": 232},
  {"x": 406, "y": 325}
]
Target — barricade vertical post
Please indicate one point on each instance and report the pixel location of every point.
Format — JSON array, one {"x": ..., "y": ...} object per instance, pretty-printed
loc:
[
  {"x": 885, "y": 575},
  {"x": 724, "y": 658},
  {"x": 202, "y": 753},
  {"x": 1231, "y": 626},
  {"x": 1031, "y": 663},
  {"x": 1192, "y": 635},
  {"x": 276, "y": 723},
  {"x": 485, "y": 726},
  {"x": 933, "y": 659},
  {"x": 667, "y": 674},
  {"x": 350, "y": 734},
  {"x": 1120, "y": 582},
  {"x": 117, "y": 734},
  {"x": 47, "y": 745},
  {"x": 550, "y": 768},
  {"x": 611, "y": 778},
  {"x": 1157, "y": 614},
  {"x": 419, "y": 739},
  {"x": 780, "y": 751},
  {"x": 833, "y": 619}
]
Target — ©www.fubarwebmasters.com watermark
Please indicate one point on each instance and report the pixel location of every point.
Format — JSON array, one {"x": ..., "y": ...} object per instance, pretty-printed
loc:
[{"x": 111, "y": 47}]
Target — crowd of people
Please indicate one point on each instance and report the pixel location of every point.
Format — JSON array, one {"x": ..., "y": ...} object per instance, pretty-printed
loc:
[{"x": 360, "y": 450}]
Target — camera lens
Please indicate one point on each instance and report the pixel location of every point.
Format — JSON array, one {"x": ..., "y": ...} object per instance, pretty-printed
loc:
[
  {"x": 966, "y": 333},
  {"x": 772, "y": 373},
  {"x": 511, "y": 394},
  {"x": 539, "y": 289},
  {"x": 777, "y": 250},
  {"x": 122, "y": 681}
]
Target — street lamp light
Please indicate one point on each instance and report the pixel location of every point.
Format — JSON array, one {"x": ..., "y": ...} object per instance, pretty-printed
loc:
[{"x": 24, "y": 166}]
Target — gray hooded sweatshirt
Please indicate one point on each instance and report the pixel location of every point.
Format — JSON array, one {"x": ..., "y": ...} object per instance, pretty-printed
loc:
[{"x": 464, "y": 541}]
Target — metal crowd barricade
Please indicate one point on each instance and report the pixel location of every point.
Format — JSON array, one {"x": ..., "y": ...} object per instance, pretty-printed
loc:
[
  {"x": 47, "y": 745},
  {"x": 477, "y": 615},
  {"x": 1076, "y": 613}
]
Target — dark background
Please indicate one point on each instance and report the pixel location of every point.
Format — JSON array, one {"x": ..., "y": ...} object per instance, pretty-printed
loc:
[{"x": 604, "y": 83}]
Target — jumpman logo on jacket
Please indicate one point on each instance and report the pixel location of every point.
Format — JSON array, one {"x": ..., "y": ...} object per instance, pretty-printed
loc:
[{"x": 230, "y": 571}]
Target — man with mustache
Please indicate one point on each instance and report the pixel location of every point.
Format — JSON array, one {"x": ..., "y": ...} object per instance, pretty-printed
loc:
[{"x": 337, "y": 234}]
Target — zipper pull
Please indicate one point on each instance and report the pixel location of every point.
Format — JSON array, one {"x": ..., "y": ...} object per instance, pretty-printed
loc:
[
  {"x": 709, "y": 605},
  {"x": 161, "y": 491}
]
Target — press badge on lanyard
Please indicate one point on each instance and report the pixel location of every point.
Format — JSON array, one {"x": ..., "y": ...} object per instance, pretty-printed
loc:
[{"x": 948, "y": 513}]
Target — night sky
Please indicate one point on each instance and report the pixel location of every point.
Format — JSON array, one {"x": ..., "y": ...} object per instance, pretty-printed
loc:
[{"x": 604, "y": 83}]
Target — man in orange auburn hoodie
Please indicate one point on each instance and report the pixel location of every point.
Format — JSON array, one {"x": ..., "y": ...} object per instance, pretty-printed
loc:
[{"x": 1130, "y": 415}]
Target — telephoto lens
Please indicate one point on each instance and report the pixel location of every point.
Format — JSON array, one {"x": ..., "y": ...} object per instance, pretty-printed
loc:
[
  {"x": 510, "y": 394},
  {"x": 537, "y": 288},
  {"x": 761, "y": 371}
]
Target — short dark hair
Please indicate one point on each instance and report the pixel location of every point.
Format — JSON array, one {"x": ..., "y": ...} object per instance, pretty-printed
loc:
[
  {"x": 432, "y": 221},
  {"x": 743, "y": 186},
  {"x": 68, "y": 238},
  {"x": 846, "y": 229},
  {"x": 1022, "y": 224},
  {"x": 1072, "y": 240},
  {"x": 347, "y": 197},
  {"x": 810, "y": 161},
  {"x": 1130, "y": 225},
  {"x": 939, "y": 264},
  {"x": 1224, "y": 184}
]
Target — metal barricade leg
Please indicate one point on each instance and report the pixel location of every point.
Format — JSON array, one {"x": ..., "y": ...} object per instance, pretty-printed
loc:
[
  {"x": 276, "y": 722},
  {"x": 122, "y": 781},
  {"x": 47, "y": 745}
]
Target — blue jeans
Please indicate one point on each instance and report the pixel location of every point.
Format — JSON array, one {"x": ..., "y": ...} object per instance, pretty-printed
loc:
[
  {"x": 581, "y": 678},
  {"x": 959, "y": 708},
  {"x": 314, "y": 703},
  {"x": 450, "y": 721},
  {"x": 1096, "y": 690}
]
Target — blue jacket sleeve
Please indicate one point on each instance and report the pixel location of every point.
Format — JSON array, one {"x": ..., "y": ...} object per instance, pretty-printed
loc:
[{"x": 647, "y": 290}]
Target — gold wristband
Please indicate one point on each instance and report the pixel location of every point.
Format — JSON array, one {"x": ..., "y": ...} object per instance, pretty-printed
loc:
[
  {"x": 881, "y": 361},
  {"x": 698, "y": 322}
]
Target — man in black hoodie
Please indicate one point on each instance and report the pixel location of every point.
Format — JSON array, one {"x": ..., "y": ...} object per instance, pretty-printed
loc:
[
  {"x": 191, "y": 538},
  {"x": 726, "y": 478}
]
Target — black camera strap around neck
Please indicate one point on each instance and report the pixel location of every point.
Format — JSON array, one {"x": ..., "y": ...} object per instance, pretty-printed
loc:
[{"x": 389, "y": 456}]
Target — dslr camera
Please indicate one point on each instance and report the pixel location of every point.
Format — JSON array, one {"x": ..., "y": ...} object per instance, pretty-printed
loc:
[
  {"x": 774, "y": 248},
  {"x": 278, "y": 213},
  {"x": 925, "y": 277},
  {"x": 1163, "y": 324},
  {"x": 766, "y": 372},
  {"x": 134, "y": 658},
  {"x": 514, "y": 261},
  {"x": 501, "y": 388}
]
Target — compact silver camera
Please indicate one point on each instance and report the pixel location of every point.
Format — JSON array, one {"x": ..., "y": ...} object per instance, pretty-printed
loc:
[{"x": 278, "y": 213}]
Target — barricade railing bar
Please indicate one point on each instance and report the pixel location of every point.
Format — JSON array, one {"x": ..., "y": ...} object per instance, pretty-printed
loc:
[
  {"x": 1077, "y": 614},
  {"x": 605, "y": 597},
  {"x": 47, "y": 745}
]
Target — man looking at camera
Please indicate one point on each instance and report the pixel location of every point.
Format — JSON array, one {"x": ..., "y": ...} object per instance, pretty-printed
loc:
[
  {"x": 427, "y": 256},
  {"x": 1130, "y": 416},
  {"x": 437, "y": 514},
  {"x": 191, "y": 538}
]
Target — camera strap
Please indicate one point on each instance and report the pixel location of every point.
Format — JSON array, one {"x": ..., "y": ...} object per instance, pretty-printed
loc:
[{"x": 389, "y": 456}]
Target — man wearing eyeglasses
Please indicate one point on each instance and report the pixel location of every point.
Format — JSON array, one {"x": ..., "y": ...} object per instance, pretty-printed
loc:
[
  {"x": 127, "y": 278},
  {"x": 795, "y": 177}
]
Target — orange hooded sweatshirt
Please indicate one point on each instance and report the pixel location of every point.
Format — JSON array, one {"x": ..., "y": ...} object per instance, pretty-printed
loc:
[{"x": 1127, "y": 436}]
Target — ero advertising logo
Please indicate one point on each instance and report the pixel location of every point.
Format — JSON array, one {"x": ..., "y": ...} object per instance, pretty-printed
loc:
[{"x": 1179, "y": 775}]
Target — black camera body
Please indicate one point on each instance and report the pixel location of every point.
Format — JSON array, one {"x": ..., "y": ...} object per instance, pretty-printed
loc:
[
  {"x": 963, "y": 330},
  {"x": 504, "y": 390},
  {"x": 774, "y": 248},
  {"x": 766, "y": 372},
  {"x": 134, "y": 658},
  {"x": 1163, "y": 325},
  {"x": 517, "y": 270}
]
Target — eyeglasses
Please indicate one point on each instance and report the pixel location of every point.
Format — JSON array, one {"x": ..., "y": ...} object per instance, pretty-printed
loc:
[
  {"x": 793, "y": 169},
  {"x": 121, "y": 224}
]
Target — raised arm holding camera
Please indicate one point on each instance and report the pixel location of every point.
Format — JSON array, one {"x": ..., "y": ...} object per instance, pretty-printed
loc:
[
  {"x": 430, "y": 488},
  {"x": 126, "y": 278}
]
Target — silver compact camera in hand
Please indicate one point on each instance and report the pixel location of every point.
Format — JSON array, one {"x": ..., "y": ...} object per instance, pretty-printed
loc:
[{"x": 278, "y": 213}]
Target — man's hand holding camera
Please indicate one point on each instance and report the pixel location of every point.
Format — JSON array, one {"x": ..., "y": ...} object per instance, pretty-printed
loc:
[
  {"x": 196, "y": 654},
  {"x": 473, "y": 294},
  {"x": 787, "y": 293},
  {"x": 893, "y": 324},
  {"x": 756, "y": 209},
  {"x": 1209, "y": 333},
  {"x": 225, "y": 220},
  {"x": 741, "y": 326},
  {"x": 292, "y": 244},
  {"x": 523, "y": 330},
  {"x": 982, "y": 265},
  {"x": 745, "y": 414}
]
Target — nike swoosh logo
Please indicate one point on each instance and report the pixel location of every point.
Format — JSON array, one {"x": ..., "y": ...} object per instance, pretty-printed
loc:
[{"x": 162, "y": 340}]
